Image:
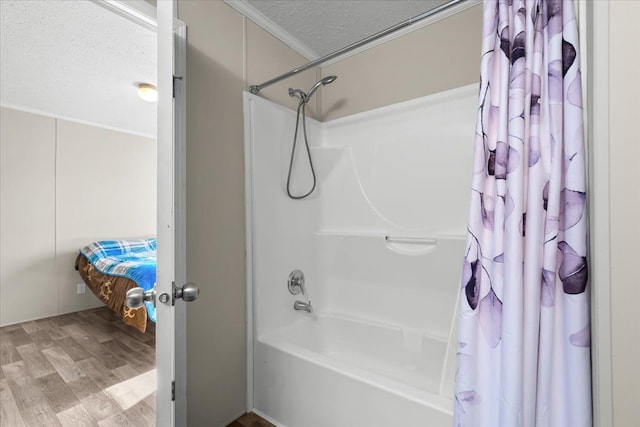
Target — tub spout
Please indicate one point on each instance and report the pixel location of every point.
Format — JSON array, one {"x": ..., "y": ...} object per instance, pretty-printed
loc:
[{"x": 303, "y": 306}]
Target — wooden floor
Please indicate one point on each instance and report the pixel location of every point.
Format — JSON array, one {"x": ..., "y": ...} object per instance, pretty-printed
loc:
[
  {"x": 250, "y": 420},
  {"x": 80, "y": 369}
]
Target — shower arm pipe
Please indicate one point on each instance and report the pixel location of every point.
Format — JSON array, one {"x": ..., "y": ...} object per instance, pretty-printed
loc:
[{"x": 254, "y": 89}]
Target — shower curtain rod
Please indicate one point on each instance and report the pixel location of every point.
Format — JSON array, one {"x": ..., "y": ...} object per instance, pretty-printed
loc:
[{"x": 256, "y": 88}]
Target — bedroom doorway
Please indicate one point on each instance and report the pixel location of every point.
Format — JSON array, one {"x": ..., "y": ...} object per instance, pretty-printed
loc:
[
  {"x": 80, "y": 172},
  {"x": 171, "y": 285}
]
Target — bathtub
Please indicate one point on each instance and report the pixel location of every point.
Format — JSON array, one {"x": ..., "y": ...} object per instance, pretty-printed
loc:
[{"x": 329, "y": 370}]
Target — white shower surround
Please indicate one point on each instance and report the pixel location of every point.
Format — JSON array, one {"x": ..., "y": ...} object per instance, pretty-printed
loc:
[{"x": 379, "y": 349}]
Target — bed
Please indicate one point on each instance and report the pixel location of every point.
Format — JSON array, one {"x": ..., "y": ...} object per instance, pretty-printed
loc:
[{"x": 111, "y": 267}]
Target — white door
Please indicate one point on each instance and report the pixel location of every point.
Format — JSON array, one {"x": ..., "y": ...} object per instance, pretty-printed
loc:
[
  {"x": 171, "y": 310},
  {"x": 170, "y": 290}
]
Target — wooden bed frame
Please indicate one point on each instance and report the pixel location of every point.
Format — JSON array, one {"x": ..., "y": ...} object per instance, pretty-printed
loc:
[{"x": 112, "y": 291}]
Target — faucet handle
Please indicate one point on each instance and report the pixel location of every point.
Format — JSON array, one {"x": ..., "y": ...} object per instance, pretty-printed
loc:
[
  {"x": 303, "y": 306},
  {"x": 295, "y": 283}
]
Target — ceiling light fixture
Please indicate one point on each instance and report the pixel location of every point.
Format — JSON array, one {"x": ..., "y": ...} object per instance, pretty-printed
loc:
[{"x": 148, "y": 92}]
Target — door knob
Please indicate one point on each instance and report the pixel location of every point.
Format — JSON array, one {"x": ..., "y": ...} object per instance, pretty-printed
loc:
[
  {"x": 136, "y": 297},
  {"x": 188, "y": 292}
]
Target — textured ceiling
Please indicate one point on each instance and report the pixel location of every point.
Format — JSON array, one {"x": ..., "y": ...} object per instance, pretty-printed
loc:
[
  {"x": 77, "y": 60},
  {"x": 325, "y": 26}
]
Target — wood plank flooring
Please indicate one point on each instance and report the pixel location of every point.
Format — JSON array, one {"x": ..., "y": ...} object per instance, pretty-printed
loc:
[
  {"x": 79, "y": 369},
  {"x": 251, "y": 420}
]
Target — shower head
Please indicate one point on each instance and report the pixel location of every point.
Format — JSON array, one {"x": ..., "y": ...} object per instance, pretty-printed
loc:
[
  {"x": 322, "y": 82},
  {"x": 328, "y": 79}
]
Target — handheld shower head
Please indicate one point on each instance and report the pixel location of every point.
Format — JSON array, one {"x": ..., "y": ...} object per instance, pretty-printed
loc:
[
  {"x": 322, "y": 82},
  {"x": 304, "y": 99},
  {"x": 328, "y": 79}
]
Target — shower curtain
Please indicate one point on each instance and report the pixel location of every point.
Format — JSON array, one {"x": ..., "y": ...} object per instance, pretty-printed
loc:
[{"x": 524, "y": 350}]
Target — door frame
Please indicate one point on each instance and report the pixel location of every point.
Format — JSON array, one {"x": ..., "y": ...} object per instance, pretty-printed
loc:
[{"x": 593, "y": 18}]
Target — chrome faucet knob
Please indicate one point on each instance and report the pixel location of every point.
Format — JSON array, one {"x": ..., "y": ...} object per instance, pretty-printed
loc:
[{"x": 296, "y": 282}]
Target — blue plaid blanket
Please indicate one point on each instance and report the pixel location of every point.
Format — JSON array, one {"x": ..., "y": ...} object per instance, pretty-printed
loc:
[{"x": 133, "y": 259}]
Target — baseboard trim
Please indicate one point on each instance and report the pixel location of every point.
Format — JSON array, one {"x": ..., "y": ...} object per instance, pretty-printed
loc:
[{"x": 32, "y": 319}]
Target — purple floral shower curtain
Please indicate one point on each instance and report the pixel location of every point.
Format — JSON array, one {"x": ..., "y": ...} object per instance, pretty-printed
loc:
[{"x": 524, "y": 350}]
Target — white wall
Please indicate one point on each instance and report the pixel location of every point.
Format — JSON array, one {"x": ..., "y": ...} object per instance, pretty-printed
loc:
[
  {"x": 65, "y": 185},
  {"x": 106, "y": 189},
  {"x": 282, "y": 228},
  {"x": 624, "y": 70},
  {"x": 398, "y": 165},
  {"x": 28, "y": 287}
]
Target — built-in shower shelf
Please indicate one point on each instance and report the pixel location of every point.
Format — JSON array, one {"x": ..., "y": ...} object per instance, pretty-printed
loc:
[
  {"x": 346, "y": 233},
  {"x": 399, "y": 243},
  {"x": 388, "y": 237}
]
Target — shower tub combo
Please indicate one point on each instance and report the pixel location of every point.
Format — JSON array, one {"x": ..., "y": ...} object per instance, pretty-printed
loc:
[{"x": 372, "y": 340}]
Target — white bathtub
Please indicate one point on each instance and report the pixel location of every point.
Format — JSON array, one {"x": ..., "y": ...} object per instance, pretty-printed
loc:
[{"x": 330, "y": 371}]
